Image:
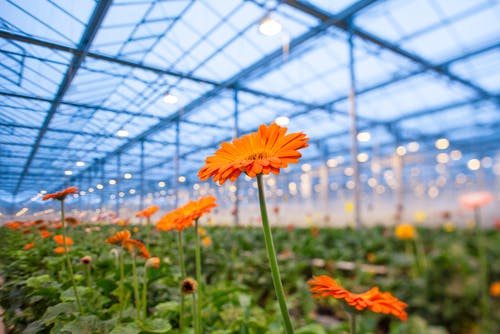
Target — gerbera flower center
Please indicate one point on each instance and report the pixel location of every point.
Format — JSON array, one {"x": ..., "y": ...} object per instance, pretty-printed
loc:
[{"x": 257, "y": 156}]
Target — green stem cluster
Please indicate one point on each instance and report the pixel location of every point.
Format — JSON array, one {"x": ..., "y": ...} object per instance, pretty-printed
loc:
[
  {"x": 136, "y": 289},
  {"x": 183, "y": 275},
  {"x": 121, "y": 296},
  {"x": 68, "y": 261},
  {"x": 483, "y": 269},
  {"x": 197, "y": 315},
  {"x": 273, "y": 262}
]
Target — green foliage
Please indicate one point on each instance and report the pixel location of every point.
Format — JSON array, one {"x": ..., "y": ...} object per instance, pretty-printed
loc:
[{"x": 238, "y": 295}]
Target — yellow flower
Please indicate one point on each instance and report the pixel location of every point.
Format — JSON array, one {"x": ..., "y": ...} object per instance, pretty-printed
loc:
[
  {"x": 206, "y": 241},
  {"x": 201, "y": 231},
  {"x": 349, "y": 206},
  {"x": 449, "y": 227},
  {"x": 420, "y": 216},
  {"x": 405, "y": 232},
  {"x": 135, "y": 229},
  {"x": 495, "y": 289}
]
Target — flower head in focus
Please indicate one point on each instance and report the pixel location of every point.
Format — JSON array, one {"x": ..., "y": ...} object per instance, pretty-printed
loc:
[{"x": 61, "y": 195}]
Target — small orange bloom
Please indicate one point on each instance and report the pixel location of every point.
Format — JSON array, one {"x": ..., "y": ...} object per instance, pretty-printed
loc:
[
  {"x": 29, "y": 246},
  {"x": 120, "y": 236},
  {"x": 148, "y": 212},
  {"x": 153, "y": 262},
  {"x": 15, "y": 225},
  {"x": 495, "y": 289},
  {"x": 405, "y": 232},
  {"x": 61, "y": 195},
  {"x": 261, "y": 152},
  {"x": 60, "y": 240},
  {"x": 60, "y": 250},
  {"x": 475, "y": 200},
  {"x": 45, "y": 234},
  {"x": 206, "y": 241},
  {"x": 373, "y": 299},
  {"x": 72, "y": 221},
  {"x": 131, "y": 244}
]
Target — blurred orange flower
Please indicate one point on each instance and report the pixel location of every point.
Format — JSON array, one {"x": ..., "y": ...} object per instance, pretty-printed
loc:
[
  {"x": 184, "y": 216},
  {"x": 475, "y": 200},
  {"x": 495, "y": 289},
  {"x": 405, "y": 232},
  {"x": 131, "y": 245},
  {"x": 60, "y": 250},
  {"x": 206, "y": 241},
  {"x": 29, "y": 246},
  {"x": 61, "y": 195},
  {"x": 148, "y": 212},
  {"x": 373, "y": 299},
  {"x": 59, "y": 239},
  {"x": 119, "y": 236},
  {"x": 153, "y": 262},
  {"x": 15, "y": 225},
  {"x": 261, "y": 152},
  {"x": 45, "y": 234}
]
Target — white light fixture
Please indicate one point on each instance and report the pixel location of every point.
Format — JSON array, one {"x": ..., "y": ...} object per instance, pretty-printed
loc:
[
  {"x": 269, "y": 26},
  {"x": 413, "y": 146},
  {"x": 306, "y": 168},
  {"x": 332, "y": 163},
  {"x": 161, "y": 184},
  {"x": 99, "y": 186},
  {"x": 182, "y": 178},
  {"x": 362, "y": 157},
  {"x": 80, "y": 163},
  {"x": 401, "y": 150},
  {"x": 364, "y": 136},
  {"x": 170, "y": 98},
  {"x": 442, "y": 143},
  {"x": 456, "y": 155},
  {"x": 91, "y": 190},
  {"x": 68, "y": 172},
  {"x": 122, "y": 133},
  {"x": 474, "y": 164},
  {"x": 127, "y": 176},
  {"x": 132, "y": 191},
  {"x": 112, "y": 181},
  {"x": 282, "y": 120}
]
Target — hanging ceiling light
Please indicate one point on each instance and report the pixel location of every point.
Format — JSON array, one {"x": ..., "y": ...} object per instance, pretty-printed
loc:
[
  {"x": 282, "y": 120},
  {"x": 122, "y": 133},
  {"x": 170, "y": 98},
  {"x": 269, "y": 26}
]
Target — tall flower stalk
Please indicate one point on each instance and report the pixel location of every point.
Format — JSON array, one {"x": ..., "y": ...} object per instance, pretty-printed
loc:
[
  {"x": 61, "y": 196},
  {"x": 263, "y": 152},
  {"x": 197, "y": 298},
  {"x": 183, "y": 274}
]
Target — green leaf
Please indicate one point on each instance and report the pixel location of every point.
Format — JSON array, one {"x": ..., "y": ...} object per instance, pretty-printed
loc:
[
  {"x": 156, "y": 326},
  {"x": 84, "y": 325},
  {"x": 53, "y": 312},
  {"x": 311, "y": 329},
  {"x": 126, "y": 329},
  {"x": 37, "y": 282},
  {"x": 167, "y": 307}
]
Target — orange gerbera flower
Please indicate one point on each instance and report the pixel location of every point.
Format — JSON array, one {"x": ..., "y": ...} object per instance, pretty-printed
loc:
[
  {"x": 60, "y": 250},
  {"x": 60, "y": 240},
  {"x": 261, "y": 152},
  {"x": 15, "y": 225},
  {"x": 175, "y": 220},
  {"x": 373, "y": 299},
  {"x": 201, "y": 206},
  {"x": 61, "y": 195},
  {"x": 118, "y": 237},
  {"x": 131, "y": 244},
  {"x": 29, "y": 246},
  {"x": 148, "y": 212},
  {"x": 45, "y": 234}
]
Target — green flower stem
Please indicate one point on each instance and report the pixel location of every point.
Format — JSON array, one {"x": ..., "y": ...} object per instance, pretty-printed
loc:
[
  {"x": 121, "y": 296},
  {"x": 87, "y": 274},
  {"x": 183, "y": 274},
  {"x": 483, "y": 268},
  {"x": 420, "y": 255},
  {"x": 273, "y": 262},
  {"x": 148, "y": 231},
  {"x": 145, "y": 292},
  {"x": 136, "y": 288},
  {"x": 198, "y": 278},
  {"x": 68, "y": 261},
  {"x": 352, "y": 322},
  {"x": 196, "y": 322}
]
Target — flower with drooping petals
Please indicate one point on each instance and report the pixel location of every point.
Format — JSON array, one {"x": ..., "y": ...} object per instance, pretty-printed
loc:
[
  {"x": 60, "y": 250},
  {"x": 148, "y": 212},
  {"x": 59, "y": 239},
  {"x": 29, "y": 246},
  {"x": 373, "y": 299},
  {"x": 61, "y": 195},
  {"x": 475, "y": 200},
  {"x": 118, "y": 237},
  {"x": 131, "y": 245},
  {"x": 405, "y": 232},
  {"x": 262, "y": 152}
]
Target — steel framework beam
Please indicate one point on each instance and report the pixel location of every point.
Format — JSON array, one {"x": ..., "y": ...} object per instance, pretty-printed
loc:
[
  {"x": 83, "y": 46},
  {"x": 365, "y": 35}
]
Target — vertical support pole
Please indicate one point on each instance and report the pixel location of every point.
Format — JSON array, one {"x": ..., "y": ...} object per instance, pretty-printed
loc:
[
  {"x": 141, "y": 176},
  {"x": 118, "y": 181},
  {"x": 89, "y": 194},
  {"x": 354, "y": 131},
  {"x": 101, "y": 192},
  {"x": 236, "y": 133},
  {"x": 399, "y": 165},
  {"x": 177, "y": 159}
]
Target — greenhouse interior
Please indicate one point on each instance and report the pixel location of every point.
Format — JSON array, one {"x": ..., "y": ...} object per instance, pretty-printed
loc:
[{"x": 250, "y": 166}]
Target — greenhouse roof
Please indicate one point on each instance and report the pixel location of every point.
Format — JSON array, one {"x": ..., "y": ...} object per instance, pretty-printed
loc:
[{"x": 83, "y": 83}]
